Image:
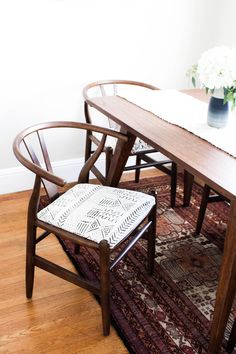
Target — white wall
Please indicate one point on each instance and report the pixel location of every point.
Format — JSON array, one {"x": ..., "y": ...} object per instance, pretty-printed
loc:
[
  {"x": 51, "y": 48},
  {"x": 225, "y": 26}
]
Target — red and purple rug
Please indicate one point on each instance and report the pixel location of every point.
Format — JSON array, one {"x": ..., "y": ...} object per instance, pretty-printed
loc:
[{"x": 171, "y": 311}]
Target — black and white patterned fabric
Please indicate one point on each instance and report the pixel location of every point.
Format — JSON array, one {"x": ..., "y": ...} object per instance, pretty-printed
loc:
[
  {"x": 139, "y": 144},
  {"x": 129, "y": 92},
  {"x": 97, "y": 212}
]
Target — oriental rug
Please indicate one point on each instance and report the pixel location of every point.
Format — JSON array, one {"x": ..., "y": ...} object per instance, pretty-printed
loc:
[{"x": 171, "y": 311}]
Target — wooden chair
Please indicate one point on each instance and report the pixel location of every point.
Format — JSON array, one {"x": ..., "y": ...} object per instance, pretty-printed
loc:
[
  {"x": 141, "y": 150},
  {"x": 95, "y": 216},
  {"x": 207, "y": 197}
]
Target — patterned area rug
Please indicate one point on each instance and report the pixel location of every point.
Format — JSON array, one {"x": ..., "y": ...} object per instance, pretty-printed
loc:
[{"x": 171, "y": 311}]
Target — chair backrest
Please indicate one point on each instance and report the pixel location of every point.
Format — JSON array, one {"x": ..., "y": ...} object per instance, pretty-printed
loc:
[
  {"x": 123, "y": 88},
  {"x": 32, "y": 142}
]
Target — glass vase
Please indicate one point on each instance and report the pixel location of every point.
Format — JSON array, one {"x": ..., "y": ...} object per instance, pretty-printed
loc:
[{"x": 218, "y": 111}]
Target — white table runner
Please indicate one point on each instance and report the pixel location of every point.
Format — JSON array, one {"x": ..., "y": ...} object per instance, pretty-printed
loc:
[{"x": 189, "y": 113}]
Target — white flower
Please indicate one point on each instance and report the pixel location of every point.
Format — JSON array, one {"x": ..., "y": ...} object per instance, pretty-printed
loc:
[{"x": 217, "y": 68}]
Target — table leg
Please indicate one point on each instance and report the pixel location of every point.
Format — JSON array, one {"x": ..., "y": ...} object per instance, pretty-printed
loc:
[
  {"x": 227, "y": 285},
  {"x": 119, "y": 159},
  {"x": 188, "y": 185}
]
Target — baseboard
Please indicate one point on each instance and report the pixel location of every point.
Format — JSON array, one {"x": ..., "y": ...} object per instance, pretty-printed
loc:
[{"x": 16, "y": 179}]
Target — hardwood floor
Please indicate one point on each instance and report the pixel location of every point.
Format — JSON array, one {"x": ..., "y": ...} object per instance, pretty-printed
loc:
[{"x": 60, "y": 318}]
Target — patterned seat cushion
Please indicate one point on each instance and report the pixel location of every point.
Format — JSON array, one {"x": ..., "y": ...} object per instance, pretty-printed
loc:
[
  {"x": 97, "y": 212},
  {"x": 139, "y": 144}
]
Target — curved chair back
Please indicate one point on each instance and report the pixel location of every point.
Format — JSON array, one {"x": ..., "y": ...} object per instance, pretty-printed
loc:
[
  {"x": 124, "y": 88},
  {"x": 130, "y": 90},
  {"x": 38, "y": 159}
]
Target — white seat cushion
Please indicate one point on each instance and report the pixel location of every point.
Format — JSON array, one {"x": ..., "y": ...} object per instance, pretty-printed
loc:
[
  {"x": 97, "y": 212},
  {"x": 139, "y": 145}
]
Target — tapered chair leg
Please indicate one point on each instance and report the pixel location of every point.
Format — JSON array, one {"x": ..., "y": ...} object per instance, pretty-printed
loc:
[
  {"x": 232, "y": 339},
  {"x": 104, "y": 251},
  {"x": 152, "y": 240},
  {"x": 77, "y": 248},
  {"x": 188, "y": 186},
  {"x": 88, "y": 148},
  {"x": 109, "y": 154},
  {"x": 30, "y": 253},
  {"x": 202, "y": 210},
  {"x": 137, "y": 170},
  {"x": 173, "y": 184}
]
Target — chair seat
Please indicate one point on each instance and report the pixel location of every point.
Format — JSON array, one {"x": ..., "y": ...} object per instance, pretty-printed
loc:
[
  {"x": 139, "y": 144},
  {"x": 98, "y": 212}
]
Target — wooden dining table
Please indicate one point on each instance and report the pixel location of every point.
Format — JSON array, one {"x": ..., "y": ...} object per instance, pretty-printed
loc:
[{"x": 199, "y": 158}]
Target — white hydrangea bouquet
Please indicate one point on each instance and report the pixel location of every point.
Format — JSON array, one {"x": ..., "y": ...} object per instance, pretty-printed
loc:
[{"x": 216, "y": 70}]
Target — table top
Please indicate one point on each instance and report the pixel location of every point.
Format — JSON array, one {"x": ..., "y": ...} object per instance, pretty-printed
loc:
[{"x": 200, "y": 158}]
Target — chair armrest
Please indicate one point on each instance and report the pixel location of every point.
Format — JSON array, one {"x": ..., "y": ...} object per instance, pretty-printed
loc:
[{"x": 39, "y": 171}]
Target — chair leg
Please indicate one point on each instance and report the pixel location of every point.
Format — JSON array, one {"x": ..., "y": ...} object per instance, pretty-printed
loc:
[
  {"x": 88, "y": 147},
  {"x": 77, "y": 249},
  {"x": 109, "y": 153},
  {"x": 188, "y": 185},
  {"x": 232, "y": 339},
  {"x": 137, "y": 171},
  {"x": 30, "y": 253},
  {"x": 152, "y": 240},
  {"x": 202, "y": 210},
  {"x": 104, "y": 251},
  {"x": 173, "y": 184}
]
